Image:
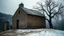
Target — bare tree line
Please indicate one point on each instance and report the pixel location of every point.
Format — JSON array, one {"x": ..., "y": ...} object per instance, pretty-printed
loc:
[{"x": 50, "y": 10}]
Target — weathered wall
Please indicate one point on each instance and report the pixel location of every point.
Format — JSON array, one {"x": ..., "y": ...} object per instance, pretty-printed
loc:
[
  {"x": 20, "y": 15},
  {"x": 27, "y": 21},
  {"x": 36, "y": 21},
  {"x": 23, "y": 19}
]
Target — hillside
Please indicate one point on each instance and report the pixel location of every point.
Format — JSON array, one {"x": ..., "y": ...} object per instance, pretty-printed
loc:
[{"x": 5, "y": 17}]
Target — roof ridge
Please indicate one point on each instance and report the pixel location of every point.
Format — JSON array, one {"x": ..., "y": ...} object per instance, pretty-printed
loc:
[
  {"x": 30, "y": 9},
  {"x": 32, "y": 12}
]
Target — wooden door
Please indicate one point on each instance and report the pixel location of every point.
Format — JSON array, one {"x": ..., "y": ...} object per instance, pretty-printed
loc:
[{"x": 17, "y": 24}]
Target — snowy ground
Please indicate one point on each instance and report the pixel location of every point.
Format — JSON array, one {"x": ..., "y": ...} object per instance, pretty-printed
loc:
[{"x": 33, "y": 32}]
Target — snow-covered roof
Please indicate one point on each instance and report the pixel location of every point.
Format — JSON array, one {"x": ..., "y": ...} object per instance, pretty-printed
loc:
[{"x": 32, "y": 12}]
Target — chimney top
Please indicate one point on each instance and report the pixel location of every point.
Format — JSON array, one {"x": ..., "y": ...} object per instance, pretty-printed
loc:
[{"x": 21, "y": 5}]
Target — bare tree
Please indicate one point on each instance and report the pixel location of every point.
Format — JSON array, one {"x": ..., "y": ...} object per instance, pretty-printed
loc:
[{"x": 50, "y": 9}]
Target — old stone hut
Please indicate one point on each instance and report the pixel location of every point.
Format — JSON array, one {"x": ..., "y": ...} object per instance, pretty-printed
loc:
[{"x": 27, "y": 18}]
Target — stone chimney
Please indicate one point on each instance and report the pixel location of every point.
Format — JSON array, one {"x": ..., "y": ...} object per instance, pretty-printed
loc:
[{"x": 21, "y": 5}]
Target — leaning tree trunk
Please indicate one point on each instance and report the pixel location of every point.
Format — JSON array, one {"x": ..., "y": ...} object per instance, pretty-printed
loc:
[{"x": 50, "y": 23}]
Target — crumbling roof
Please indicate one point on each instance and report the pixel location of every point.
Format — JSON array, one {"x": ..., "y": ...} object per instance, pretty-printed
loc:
[{"x": 32, "y": 12}]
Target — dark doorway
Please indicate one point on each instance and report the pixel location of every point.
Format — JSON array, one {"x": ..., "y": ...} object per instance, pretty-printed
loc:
[{"x": 17, "y": 24}]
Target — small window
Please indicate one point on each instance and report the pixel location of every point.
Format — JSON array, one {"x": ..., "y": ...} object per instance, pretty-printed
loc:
[{"x": 19, "y": 11}]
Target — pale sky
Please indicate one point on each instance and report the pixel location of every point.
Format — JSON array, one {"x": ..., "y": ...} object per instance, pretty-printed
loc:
[{"x": 10, "y": 6}]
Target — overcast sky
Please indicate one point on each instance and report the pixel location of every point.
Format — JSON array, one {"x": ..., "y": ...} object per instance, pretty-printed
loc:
[{"x": 10, "y": 6}]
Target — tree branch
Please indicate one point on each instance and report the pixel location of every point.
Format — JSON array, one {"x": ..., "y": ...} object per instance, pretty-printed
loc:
[
  {"x": 42, "y": 8},
  {"x": 54, "y": 6},
  {"x": 47, "y": 19}
]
